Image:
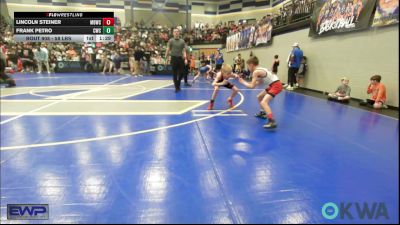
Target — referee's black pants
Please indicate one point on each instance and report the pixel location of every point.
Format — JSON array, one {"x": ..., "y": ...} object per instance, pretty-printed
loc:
[{"x": 178, "y": 66}]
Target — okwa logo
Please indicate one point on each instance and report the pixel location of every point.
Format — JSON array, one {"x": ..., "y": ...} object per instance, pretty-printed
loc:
[{"x": 351, "y": 210}]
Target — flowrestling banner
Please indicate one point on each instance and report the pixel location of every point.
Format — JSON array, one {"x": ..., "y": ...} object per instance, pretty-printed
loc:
[
  {"x": 336, "y": 16},
  {"x": 250, "y": 37},
  {"x": 387, "y": 13}
]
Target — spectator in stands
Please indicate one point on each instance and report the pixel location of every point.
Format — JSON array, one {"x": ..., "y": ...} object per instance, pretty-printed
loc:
[
  {"x": 187, "y": 65},
  {"x": 203, "y": 57},
  {"x": 138, "y": 55},
  {"x": 211, "y": 59},
  {"x": 71, "y": 54},
  {"x": 57, "y": 54},
  {"x": 117, "y": 62},
  {"x": 107, "y": 62},
  {"x": 160, "y": 59},
  {"x": 98, "y": 63},
  {"x": 294, "y": 65},
  {"x": 3, "y": 76},
  {"x": 293, "y": 11},
  {"x": 342, "y": 93},
  {"x": 239, "y": 61},
  {"x": 192, "y": 63},
  {"x": 377, "y": 90},
  {"x": 131, "y": 61},
  {"x": 12, "y": 58},
  {"x": 146, "y": 61},
  {"x": 27, "y": 58},
  {"x": 219, "y": 60}
]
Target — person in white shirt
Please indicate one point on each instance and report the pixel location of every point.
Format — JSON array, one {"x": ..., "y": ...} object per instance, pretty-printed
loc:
[
  {"x": 42, "y": 57},
  {"x": 273, "y": 88}
]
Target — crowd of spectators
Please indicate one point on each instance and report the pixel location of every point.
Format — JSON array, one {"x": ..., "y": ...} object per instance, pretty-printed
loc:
[
  {"x": 135, "y": 47},
  {"x": 290, "y": 12},
  {"x": 209, "y": 32},
  {"x": 293, "y": 11},
  {"x": 132, "y": 45}
]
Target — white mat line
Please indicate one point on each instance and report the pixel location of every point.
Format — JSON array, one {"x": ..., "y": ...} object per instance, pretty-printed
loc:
[
  {"x": 215, "y": 110},
  {"x": 53, "y": 103},
  {"x": 198, "y": 115}
]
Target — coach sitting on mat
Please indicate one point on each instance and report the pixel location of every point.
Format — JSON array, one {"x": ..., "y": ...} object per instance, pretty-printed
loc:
[{"x": 176, "y": 48}]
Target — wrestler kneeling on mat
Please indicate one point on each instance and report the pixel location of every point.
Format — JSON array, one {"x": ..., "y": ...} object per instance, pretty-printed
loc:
[
  {"x": 221, "y": 79},
  {"x": 274, "y": 87}
]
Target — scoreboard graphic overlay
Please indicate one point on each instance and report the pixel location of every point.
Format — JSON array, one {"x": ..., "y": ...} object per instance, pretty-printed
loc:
[{"x": 64, "y": 26}]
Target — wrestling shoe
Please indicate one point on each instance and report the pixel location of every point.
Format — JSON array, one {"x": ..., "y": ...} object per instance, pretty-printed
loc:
[
  {"x": 270, "y": 125},
  {"x": 230, "y": 102},
  {"x": 261, "y": 115},
  {"x": 210, "y": 106}
]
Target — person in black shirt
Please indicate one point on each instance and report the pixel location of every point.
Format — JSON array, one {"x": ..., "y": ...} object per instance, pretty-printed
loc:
[
  {"x": 3, "y": 76},
  {"x": 146, "y": 62},
  {"x": 117, "y": 62},
  {"x": 138, "y": 55},
  {"x": 275, "y": 65},
  {"x": 26, "y": 56}
]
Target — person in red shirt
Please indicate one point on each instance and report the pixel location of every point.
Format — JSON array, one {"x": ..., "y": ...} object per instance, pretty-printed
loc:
[{"x": 377, "y": 90}]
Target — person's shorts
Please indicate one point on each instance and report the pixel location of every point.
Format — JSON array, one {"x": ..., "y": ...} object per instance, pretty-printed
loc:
[
  {"x": 274, "y": 88},
  {"x": 229, "y": 85},
  {"x": 203, "y": 70}
]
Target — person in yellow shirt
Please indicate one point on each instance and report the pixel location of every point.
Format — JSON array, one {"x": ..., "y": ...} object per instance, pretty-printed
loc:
[{"x": 377, "y": 90}]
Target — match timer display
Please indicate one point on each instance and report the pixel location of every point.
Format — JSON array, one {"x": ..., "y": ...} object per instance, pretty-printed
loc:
[{"x": 64, "y": 26}]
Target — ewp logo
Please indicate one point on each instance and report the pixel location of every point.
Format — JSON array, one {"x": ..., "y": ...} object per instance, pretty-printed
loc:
[
  {"x": 28, "y": 212},
  {"x": 375, "y": 211}
]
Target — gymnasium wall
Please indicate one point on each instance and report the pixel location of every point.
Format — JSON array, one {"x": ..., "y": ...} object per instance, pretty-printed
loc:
[
  {"x": 210, "y": 19},
  {"x": 356, "y": 55},
  {"x": 241, "y": 5},
  {"x": 254, "y": 14},
  {"x": 165, "y": 18}
]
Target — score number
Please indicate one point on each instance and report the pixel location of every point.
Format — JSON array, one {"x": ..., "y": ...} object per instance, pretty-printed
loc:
[
  {"x": 108, "y": 21},
  {"x": 108, "y": 25},
  {"x": 108, "y": 30}
]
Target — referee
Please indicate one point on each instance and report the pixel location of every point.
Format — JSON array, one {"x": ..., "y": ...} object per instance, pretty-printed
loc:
[{"x": 176, "y": 48}]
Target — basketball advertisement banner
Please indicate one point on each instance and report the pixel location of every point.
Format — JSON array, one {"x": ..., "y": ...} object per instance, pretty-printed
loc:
[
  {"x": 387, "y": 13},
  {"x": 249, "y": 37},
  {"x": 337, "y": 16}
]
